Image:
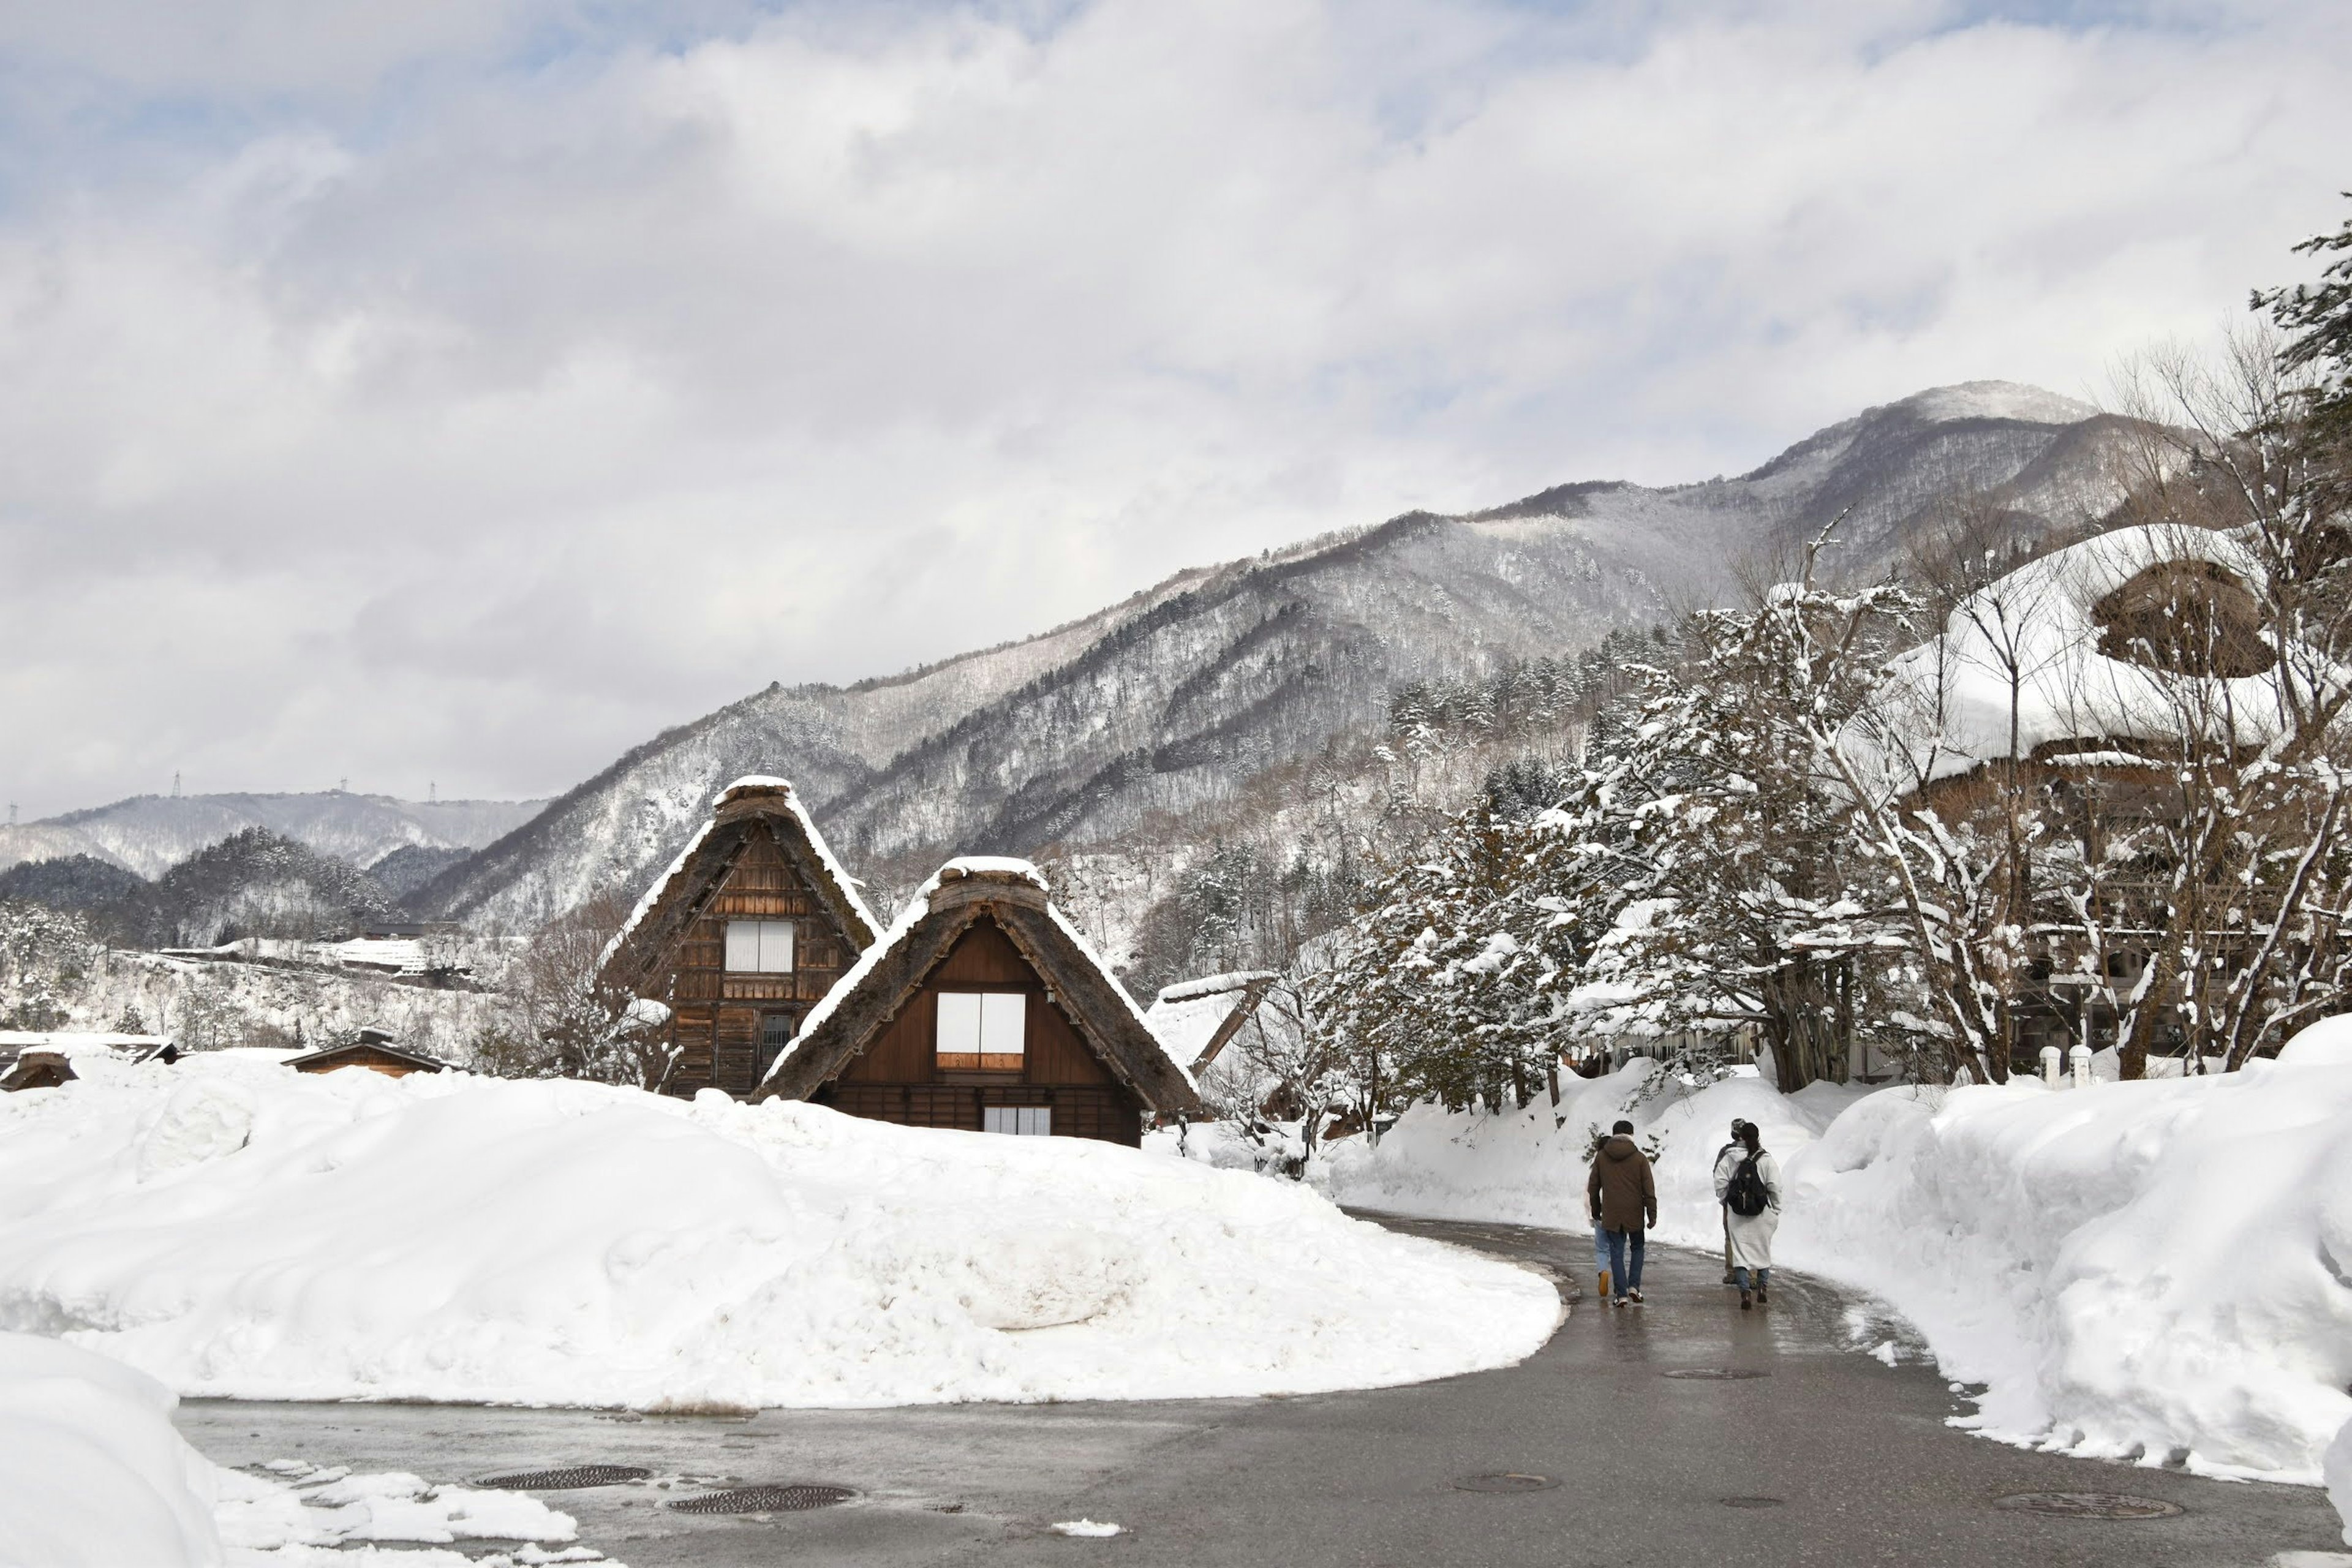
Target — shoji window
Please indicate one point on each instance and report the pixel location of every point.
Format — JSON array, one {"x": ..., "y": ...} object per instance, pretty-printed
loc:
[
  {"x": 1023, "y": 1121},
  {"x": 760, "y": 947},
  {"x": 982, "y": 1031}
]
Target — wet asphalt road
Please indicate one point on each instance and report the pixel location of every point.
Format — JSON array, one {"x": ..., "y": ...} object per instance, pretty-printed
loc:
[{"x": 1829, "y": 1457}]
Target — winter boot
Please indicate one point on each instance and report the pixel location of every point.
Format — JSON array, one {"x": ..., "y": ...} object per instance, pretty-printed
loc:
[
  {"x": 1759, "y": 1295},
  {"x": 1604, "y": 1284},
  {"x": 1747, "y": 1302}
]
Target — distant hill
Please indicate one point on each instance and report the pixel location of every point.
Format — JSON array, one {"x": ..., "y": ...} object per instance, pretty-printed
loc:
[
  {"x": 1174, "y": 698},
  {"x": 150, "y": 834},
  {"x": 82, "y": 883},
  {"x": 257, "y": 883}
]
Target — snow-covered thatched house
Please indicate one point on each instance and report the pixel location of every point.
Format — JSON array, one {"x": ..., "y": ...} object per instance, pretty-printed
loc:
[
  {"x": 2089, "y": 707},
  {"x": 983, "y": 1009},
  {"x": 2076, "y": 659},
  {"x": 743, "y": 934}
]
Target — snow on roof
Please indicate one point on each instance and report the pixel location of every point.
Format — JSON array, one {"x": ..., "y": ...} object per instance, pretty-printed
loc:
[
  {"x": 992, "y": 868},
  {"x": 1187, "y": 1026},
  {"x": 16, "y": 1042},
  {"x": 1212, "y": 984},
  {"x": 748, "y": 785},
  {"x": 2037, "y": 629}
]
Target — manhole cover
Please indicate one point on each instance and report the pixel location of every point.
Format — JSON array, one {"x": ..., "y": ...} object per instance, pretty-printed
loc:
[
  {"x": 794, "y": 1499},
  {"x": 1715, "y": 1373},
  {"x": 564, "y": 1480},
  {"x": 2091, "y": 1505},
  {"x": 1509, "y": 1481},
  {"x": 1755, "y": 1502}
]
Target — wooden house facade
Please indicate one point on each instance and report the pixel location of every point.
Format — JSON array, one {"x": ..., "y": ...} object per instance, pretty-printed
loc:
[
  {"x": 983, "y": 1011},
  {"x": 746, "y": 932}
]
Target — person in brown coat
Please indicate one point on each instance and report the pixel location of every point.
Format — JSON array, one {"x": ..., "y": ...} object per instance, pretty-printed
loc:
[{"x": 1624, "y": 1198}]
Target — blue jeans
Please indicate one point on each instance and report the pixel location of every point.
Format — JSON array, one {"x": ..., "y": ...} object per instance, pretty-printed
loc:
[
  {"x": 1761, "y": 1276},
  {"x": 1600, "y": 1246},
  {"x": 1625, "y": 1272}
]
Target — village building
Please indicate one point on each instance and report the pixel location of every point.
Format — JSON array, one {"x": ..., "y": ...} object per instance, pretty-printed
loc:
[
  {"x": 1197, "y": 1019},
  {"x": 373, "y": 1049},
  {"x": 2070, "y": 680},
  {"x": 985, "y": 1010},
  {"x": 740, "y": 937}
]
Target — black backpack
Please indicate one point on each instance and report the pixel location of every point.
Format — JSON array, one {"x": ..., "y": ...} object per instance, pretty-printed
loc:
[{"x": 1745, "y": 1196}]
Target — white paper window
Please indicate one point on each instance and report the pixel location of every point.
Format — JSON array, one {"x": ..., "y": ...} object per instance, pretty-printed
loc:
[
  {"x": 760, "y": 947},
  {"x": 1020, "y": 1120},
  {"x": 983, "y": 1030}
]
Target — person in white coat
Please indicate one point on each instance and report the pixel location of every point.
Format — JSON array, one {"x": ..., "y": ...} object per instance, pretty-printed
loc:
[{"x": 1747, "y": 1178}]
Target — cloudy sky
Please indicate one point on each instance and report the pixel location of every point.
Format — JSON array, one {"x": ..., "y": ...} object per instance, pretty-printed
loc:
[{"x": 463, "y": 390}]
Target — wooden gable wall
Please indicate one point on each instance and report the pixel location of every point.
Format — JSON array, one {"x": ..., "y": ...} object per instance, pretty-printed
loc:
[
  {"x": 717, "y": 1016},
  {"x": 898, "y": 1078}
]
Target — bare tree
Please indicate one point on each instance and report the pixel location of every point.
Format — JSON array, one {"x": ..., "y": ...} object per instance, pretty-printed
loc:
[{"x": 566, "y": 1018}]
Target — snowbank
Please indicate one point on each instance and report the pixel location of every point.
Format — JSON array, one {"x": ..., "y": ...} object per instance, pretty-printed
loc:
[
  {"x": 97, "y": 1475},
  {"x": 2160, "y": 1270},
  {"x": 1529, "y": 1167},
  {"x": 236, "y": 1229}
]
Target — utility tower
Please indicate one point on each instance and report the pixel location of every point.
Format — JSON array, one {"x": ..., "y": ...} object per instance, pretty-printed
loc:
[{"x": 176, "y": 784}]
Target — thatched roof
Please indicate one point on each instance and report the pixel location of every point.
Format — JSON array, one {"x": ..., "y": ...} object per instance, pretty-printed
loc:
[
  {"x": 1011, "y": 894},
  {"x": 1196, "y": 1019},
  {"x": 680, "y": 894},
  {"x": 374, "y": 1045}
]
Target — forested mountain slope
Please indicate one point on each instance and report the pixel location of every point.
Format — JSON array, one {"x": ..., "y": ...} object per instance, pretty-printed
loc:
[
  {"x": 149, "y": 834},
  {"x": 1172, "y": 698}
]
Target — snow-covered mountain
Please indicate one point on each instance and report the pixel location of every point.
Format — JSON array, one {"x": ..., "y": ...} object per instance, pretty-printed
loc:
[
  {"x": 150, "y": 833},
  {"x": 1173, "y": 696}
]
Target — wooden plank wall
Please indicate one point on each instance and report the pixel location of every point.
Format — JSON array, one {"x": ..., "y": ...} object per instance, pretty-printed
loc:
[
  {"x": 898, "y": 1077},
  {"x": 717, "y": 1015}
]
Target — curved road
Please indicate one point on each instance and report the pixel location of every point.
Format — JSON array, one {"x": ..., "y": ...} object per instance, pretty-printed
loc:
[{"x": 1825, "y": 1456}]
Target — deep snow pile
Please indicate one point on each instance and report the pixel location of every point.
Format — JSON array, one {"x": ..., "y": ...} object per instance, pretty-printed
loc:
[
  {"x": 97, "y": 1475},
  {"x": 2160, "y": 1270},
  {"x": 237, "y": 1229},
  {"x": 1529, "y": 1166}
]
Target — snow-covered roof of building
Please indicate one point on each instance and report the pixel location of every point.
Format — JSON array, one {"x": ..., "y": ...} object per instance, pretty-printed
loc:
[
  {"x": 97, "y": 1042},
  {"x": 760, "y": 792},
  {"x": 2036, "y": 636},
  {"x": 1016, "y": 892},
  {"x": 1195, "y": 1018}
]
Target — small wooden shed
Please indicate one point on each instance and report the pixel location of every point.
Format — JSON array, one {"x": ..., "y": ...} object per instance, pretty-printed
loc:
[
  {"x": 741, "y": 936},
  {"x": 374, "y": 1049},
  {"x": 985, "y": 1010}
]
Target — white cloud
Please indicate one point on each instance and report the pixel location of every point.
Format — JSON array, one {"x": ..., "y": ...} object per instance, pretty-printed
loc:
[{"x": 466, "y": 393}]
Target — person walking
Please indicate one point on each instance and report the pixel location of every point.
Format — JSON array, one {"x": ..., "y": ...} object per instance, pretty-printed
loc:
[
  {"x": 1748, "y": 1185},
  {"x": 1624, "y": 1196},
  {"x": 1721, "y": 1156}
]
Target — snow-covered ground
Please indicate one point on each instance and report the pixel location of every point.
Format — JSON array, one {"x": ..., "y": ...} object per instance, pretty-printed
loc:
[
  {"x": 2158, "y": 1270},
  {"x": 98, "y": 1478},
  {"x": 233, "y": 1228}
]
